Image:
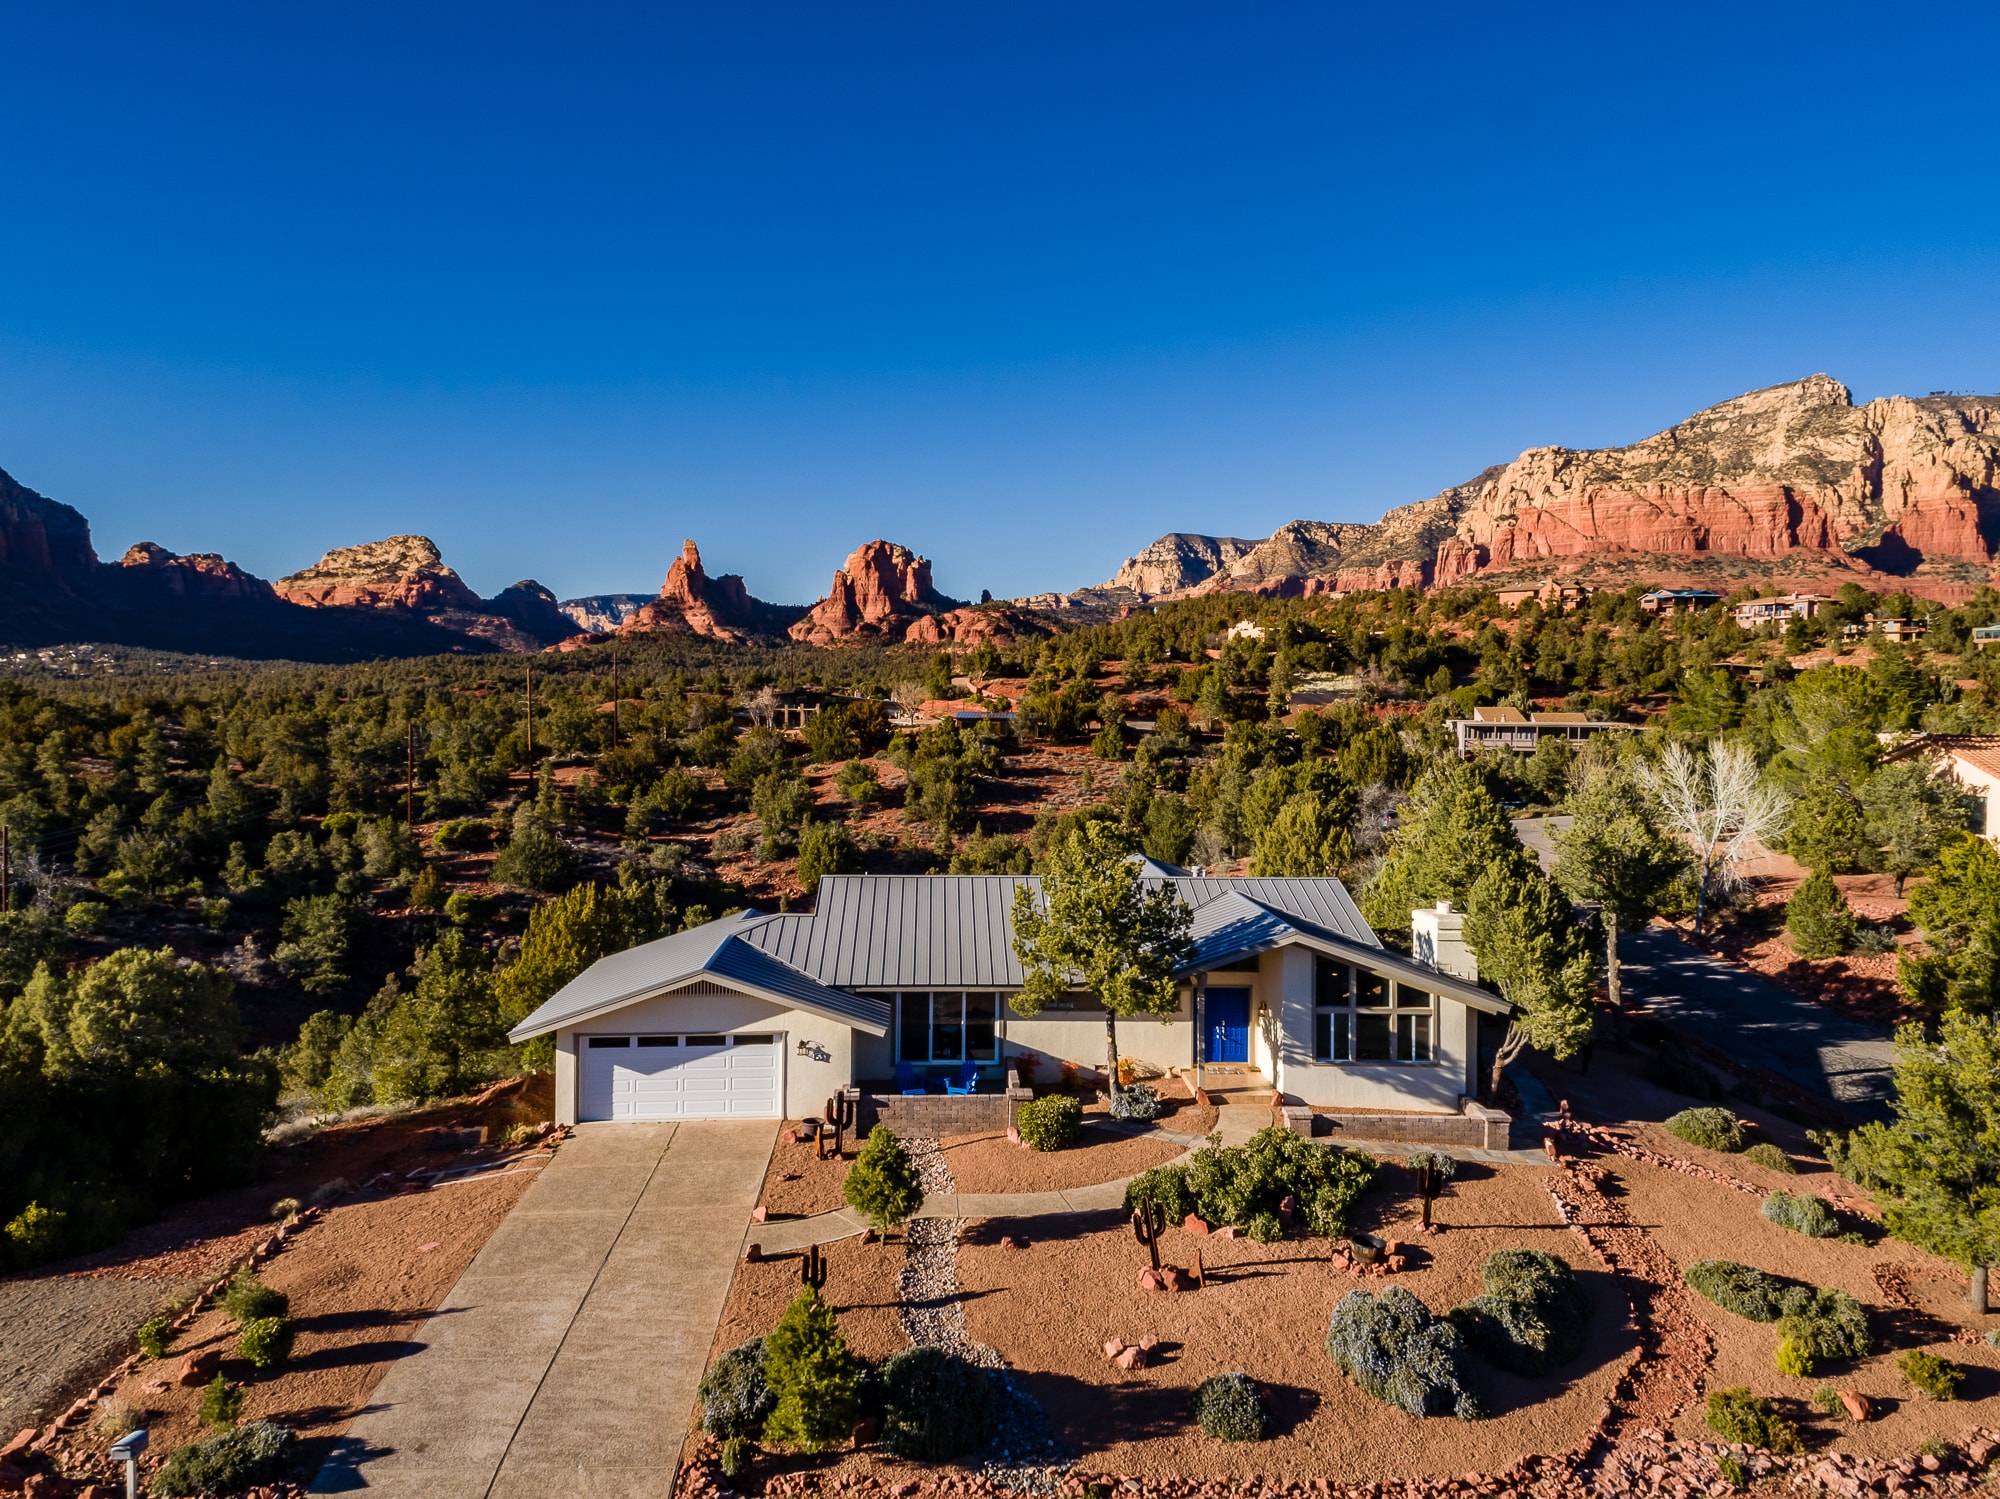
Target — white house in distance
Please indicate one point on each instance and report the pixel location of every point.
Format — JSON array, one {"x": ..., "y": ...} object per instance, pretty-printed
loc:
[
  {"x": 895, "y": 990},
  {"x": 1755, "y": 612}
]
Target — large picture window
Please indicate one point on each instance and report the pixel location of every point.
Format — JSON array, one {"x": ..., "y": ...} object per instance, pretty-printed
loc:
[
  {"x": 1359, "y": 1016},
  {"x": 947, "y": 1025}
]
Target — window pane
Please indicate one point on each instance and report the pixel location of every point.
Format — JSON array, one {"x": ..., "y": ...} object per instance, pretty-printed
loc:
[
  {"x": 1371, "y": 1038},
  {"x": 947, "y": 1027},
  {"x": 597, "y": 1041},
  {"x": 1323, "y": 1036},
  {"x": 1413, "y": 1038},
  {"x": 1412, "y": 999},
  {"x": 756, "y": 1040},
  {"x": 981, "y": 1035},
  {"x": 913, "y": 1035},
  {"x": 1371, "y": 990},
  {"x": 708, "y": 1040},
  {"x": 659, "y": 1040},
  {"x": 1342, "y": 1024},
  {"x": 1330, "y": 981}
]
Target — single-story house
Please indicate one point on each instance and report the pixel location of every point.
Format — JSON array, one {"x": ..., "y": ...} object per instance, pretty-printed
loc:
[
  {"x": 912, "y": 977},
  {"x": 1501, "y": 727}
]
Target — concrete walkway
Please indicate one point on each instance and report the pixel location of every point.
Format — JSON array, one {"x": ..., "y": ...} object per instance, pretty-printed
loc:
[
  {"x": 1757, "y": 1022},
  {"x": 565, "y": 1360}
]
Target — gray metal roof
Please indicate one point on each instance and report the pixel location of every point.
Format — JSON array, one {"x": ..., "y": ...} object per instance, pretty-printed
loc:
[
  {"x": 944, "y": 931},
  {"x": 716, "y": 949}
]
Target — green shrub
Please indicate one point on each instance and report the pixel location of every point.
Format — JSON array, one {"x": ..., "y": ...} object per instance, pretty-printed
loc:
[
  {"x": 1532, "y": 1316},
  {"x": 1265, "y": 1228},
  {"x": 1396, "y": 1350},
  {"x": 1730, "y": 1466},
  {"x": 735, "y": 1398},
  {"x": 1711, "y": 1129},
  {"x": 156, "y": 1336},
  {"x": 535, "y": 858},
  {"x": 814, "y": 1379},
  {"x": 1049, "y": 1123},
  {"x": 248, "y": 1299},
  {"x": 1242, "y": 1184},
  {"x": 825, "y": 848},
  {"x": 85, "y": 918},
  {"x": 1736, "y": 1415},
  {"x": 1165, "y": 1185},
  {"x": 226, "y": 1464},
  {"x": 881, "y": 1185},
  {"x": 935, "y": 1405},
  {"x": 36, "y": 1234},
  {"x": 285, "y": 1207},
  {"x": 1793, "y": 1360},
  {"x": 1826, "y": 1400},
  {"x": 1754, "y": 1294},
  {"x": 735, "y": 1457},
  {"x": 1802, "y": 1214},
  {"x": 463, "y": 908},
  {"x": 1771, "y": 1158},
  {"x": 1671, "y": 1067},
  {"x": 221, "y": 1403},
  {"x": 463, "y": 832},
  {"x": 1229, "y": 1408},
  {"x": 265, "y": 1342},
  {"x": 1830, "y": 1325},
  {"x": 1936, "y": 1377},
  {"x": 1817, "y": 919}
]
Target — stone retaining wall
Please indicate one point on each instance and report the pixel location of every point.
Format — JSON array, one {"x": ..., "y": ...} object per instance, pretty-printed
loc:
[
  {"x": 935, "y": 1114},
  {"x": 1475, "y": 1127}
]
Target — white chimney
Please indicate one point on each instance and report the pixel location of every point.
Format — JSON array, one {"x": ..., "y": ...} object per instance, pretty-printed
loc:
[{"x": 1437, "y": 937}]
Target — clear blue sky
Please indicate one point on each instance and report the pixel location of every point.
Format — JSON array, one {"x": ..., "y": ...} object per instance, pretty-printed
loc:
[{"x": 1021, "y": 285}]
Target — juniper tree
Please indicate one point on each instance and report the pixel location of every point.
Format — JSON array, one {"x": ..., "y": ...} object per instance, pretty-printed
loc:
[{"x": 1616, "y": 853}]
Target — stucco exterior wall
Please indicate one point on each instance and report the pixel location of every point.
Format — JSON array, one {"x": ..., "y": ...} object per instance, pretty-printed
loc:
[
  {"x": 1057, "y": 1036},
  {"x": 809, "y": 1080},
  {"x": 1437, "y": 1085}
]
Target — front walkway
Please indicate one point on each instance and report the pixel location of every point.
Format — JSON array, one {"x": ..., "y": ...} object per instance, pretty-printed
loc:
[{"x": 565, "y": 1360}]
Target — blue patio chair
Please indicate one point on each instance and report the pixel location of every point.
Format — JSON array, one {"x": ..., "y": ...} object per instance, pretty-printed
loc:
[
  {"x": 907, "y": 1082},
  {"x": 965, "y": 1080}
]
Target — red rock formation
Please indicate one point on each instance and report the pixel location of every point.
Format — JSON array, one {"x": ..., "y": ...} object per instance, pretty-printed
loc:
[
  {"x": 44, "y": 544},
  {"x": 878, "y": 593},
  {"x": 693, "y": 603},
  {"x": 200, "y": 576},
  {"x": 403, "y": 571},
  {"x": 972, "y": 626}
]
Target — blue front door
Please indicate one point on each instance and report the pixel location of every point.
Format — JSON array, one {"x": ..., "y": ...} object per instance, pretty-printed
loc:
[{"x": 1228, "y": 1015}]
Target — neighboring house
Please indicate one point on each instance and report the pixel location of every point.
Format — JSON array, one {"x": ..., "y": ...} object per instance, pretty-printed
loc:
[
  {"x": 1786, "y": 606},
  {"x": 1554, "y": 597},
  {"x": 1678, "y": 600},
  {"x": 1974, "y": 760},
  {"x": 767, "y": 1016},
  {"x": 1985, "y": 635},
  {"x": 1511, "y": 729},
  {"x": 1244, "y": 629}
]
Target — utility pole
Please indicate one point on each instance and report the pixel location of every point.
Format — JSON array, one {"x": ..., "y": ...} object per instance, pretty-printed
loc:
[
  {"x": 410, "y": 779},
  {"x": 6, "y": 872},
  {"x": 531, "y": 713},
  {"x": 614, "y": 697}
]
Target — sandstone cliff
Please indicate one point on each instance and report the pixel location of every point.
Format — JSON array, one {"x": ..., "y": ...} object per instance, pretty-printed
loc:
[
  {"x": 1792, "y": 482},
  {"x": 1179, "y": 561},
  {"x": 601, "y": 613},
  {"x": 403, "y": 571},
  {"x": 882, "y": 589},
  {"x": 692, "y": 603}
]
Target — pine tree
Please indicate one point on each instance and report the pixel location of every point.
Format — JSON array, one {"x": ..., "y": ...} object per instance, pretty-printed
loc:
[
  {"x": 882, "y": 1183},
  {"x": 1525, "y": 937},
  {"x": 1305, "y": 838},
  {"x": 1452, "y": 832},
  {"x": 1616, "y": 853},
  {"x": 1817, "y": 919},
  {"x": 816, "y": 1379}
]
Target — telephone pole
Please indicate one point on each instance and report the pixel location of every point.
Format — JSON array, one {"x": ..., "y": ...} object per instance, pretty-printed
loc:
[
  {"x": 531, "y": 713},
  {"x": 410, "y": 778},
  {"x": 614, "y": 697}
]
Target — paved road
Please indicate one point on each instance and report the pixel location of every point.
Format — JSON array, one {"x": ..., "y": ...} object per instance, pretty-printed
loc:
[
  {"x": 1757, "y": 1022},
  {"x": 565, "y": 1360}
]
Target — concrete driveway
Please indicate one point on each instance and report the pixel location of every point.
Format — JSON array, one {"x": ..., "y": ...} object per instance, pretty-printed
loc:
[{"x": 565, "y": 1360}]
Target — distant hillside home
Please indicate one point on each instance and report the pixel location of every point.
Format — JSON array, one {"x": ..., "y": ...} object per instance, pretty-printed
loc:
[
  {"x": 1985, "y": 635},
  {"x": 1974, "y": 761},
  {"x": 1678, "y": 600},
  {"x": 1554, "y": 597},
  {"x": 895, "y": 994},
  {"x": 1786, "y": 606},
  {"x": 1511, "y": 729}
]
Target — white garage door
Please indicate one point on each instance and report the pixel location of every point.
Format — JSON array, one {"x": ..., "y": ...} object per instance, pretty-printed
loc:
[{"x": 679, "y": 1077}]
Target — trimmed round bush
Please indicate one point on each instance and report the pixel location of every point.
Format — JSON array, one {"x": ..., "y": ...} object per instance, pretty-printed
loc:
[
  {"x": 1754, "y": 1294},
  {"x": 1936, "y": 1377},
  {"x": 265, "y": 1342},
  {"x": 1736, "y": 1415},
  {"x": 1229, "y": 1408},
  {"x": 734, "y": 1396},
  {"x": 1049, "y": 1123},
  {"x": 1403, "y": 1355},
  {"x": 1711, "y": 1129},
  {"x": 1135, "y": 1101},
  {"x": 1831, "y": 1325},
  {"x": 1533, "y": 1314},
  {"x": 249, "y": 1300},
  {"x": 1771, "y": 1158},
  {"x": 227, "y": 1463},
  {"x": 936, "y": 1406},
  {"x": 1793, "y": 1360},
  {"x": 1801, "y": 1214}
]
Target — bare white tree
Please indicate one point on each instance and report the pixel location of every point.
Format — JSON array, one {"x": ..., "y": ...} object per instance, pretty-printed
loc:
[
  {"x": 1722, "y": 805},
  {"x": 763, "y": 705}
]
